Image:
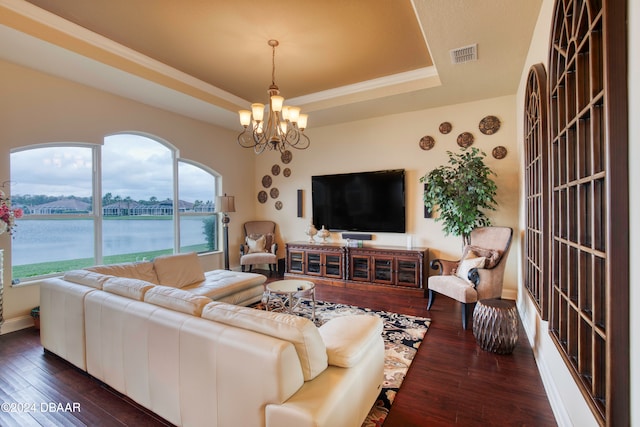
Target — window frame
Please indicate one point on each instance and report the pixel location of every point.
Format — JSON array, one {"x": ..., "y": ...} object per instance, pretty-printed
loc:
[{"x": 96, "y": 187}]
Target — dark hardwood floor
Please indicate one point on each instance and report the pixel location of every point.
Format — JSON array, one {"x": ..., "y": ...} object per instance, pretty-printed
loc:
[{"x": 450, "y": 382}]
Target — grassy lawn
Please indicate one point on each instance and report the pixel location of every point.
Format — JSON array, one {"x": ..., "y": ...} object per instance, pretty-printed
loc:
[{"x": 43, "y": 268}]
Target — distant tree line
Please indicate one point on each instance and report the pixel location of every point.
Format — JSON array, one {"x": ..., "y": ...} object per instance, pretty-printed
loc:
[{"x": 108, "y": 199}]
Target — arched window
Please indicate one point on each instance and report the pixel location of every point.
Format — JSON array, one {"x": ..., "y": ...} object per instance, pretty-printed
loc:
[
  {"x": 150, "y": 203},
  {"x": 536, "y": 173}
]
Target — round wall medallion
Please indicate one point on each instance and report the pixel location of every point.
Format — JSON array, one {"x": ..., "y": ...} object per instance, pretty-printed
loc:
[
  {"x": 274, "y": 193},
  {"x": 445, "y": 128},
  {"x": 465, "y": 139},
  {"x": 275, "y": 170},
  {"x": 489, "y": 125},
  {"x": 278, "y": 205},
  {"x": 427, "y": 142},
  {"x": 499, "y": 152},
  {"x": 286, "y": 172},
  {"x": 286, "y": 157},
  {"x": 266, "y": 181},
  {"x": 262, "y": 196}
]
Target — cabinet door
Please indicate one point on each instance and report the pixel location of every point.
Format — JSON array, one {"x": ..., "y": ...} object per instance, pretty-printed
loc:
[
  {"x": 333, "y": 265},
  {"x": 296, "y": 261},
  {"x": 383, "y": 269},
  {"x": 314, "y": 263},
  {"x": 360, "y": 268},
  {"x": 408, "y": 272}
]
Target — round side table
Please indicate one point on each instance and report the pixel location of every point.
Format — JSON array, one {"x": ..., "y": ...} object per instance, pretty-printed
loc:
[
  {"x": 495, "y": 325},
  {"x": 285, "y": 295}
]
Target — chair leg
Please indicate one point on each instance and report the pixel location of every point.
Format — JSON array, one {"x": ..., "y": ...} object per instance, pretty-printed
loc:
[
  {"x": 432, "y": 296},
  {"x": 242, "y": 268}
]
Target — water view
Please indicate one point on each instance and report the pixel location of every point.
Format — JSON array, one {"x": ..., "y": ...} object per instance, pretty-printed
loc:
[{"x": 37, "y": 241}]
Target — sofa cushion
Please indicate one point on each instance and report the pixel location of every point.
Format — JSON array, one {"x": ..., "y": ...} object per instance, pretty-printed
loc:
[
  {"x": 87, "y": 278},
  {"x": 133, "y": 270},
  {"x": 299, "y": 331},
  {"x": 126, "y": 287},
  {"x": 178, "y": 270},
  {"x": 176, "y": 299},
  {"x": 348, "y": 338},
  {"x": 222, "y": 283}
]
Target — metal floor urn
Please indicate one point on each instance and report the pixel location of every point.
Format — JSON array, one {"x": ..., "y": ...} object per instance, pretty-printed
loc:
[{"x": 495, "y": 325}]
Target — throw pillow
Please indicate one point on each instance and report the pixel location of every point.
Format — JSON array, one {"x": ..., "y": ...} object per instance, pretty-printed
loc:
[
  {"x": 256, "y": 244},
  {"x": 466, "y": 265},
  {"x": 492, "y": 255}
]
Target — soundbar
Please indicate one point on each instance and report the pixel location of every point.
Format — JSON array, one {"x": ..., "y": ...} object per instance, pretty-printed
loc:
[{"x": 357, "y": 236}]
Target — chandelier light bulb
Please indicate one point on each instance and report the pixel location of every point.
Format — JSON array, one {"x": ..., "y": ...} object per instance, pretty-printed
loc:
[
  {"x": 245, "y": 117},
  {"x": 258, "y": 111},
  {"x": 302, "y": 121},
  {"x": 276, "y": 103},
  {"x": 294, "y": 113}
]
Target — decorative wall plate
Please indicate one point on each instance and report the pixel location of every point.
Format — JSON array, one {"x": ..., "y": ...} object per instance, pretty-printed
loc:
[
  {"x": 427, "y": 142},
  {"x": 275, "y": 170},
  {"x": 278, "y": 205},
  {"x": 262, "y": 196},
  {"x": 266, "y": 181},
  {"x": 499, "y": 152},
  {"x": 489, "y": 125},
  {"x": 274, "y": 193},
  {"x": 286, "y": 172},
  {"x": 445, "y": 128},
  {"x": 286, "y": 157},
  {"x": 465, "y": 139}
]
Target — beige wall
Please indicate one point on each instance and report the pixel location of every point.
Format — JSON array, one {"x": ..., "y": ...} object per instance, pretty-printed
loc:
[
  {"x": 568, "y": 404},
  {"x": 391, "y": 142}
]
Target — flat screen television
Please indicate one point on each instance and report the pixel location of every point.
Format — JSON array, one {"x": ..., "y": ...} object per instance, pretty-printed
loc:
[{"x": 361, "y": 201}]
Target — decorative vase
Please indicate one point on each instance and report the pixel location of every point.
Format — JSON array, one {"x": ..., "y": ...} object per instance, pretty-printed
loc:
[
  {"x": 311, "y": 231},
  {"x": 323, "y": 233}
]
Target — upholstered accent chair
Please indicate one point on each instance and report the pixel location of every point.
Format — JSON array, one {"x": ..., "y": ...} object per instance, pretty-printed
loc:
[
  {"x": 259, "y": 246},
  {"x": 478, "y": 274}
]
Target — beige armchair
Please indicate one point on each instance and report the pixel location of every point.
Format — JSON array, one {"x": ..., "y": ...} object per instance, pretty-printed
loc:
[
  {"x": 478, "y": 274},
  {"x": 259, "y": 246}
]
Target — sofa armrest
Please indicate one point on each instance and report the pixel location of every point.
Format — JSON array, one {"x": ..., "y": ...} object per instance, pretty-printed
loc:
[{"x": 349, "y": 338}]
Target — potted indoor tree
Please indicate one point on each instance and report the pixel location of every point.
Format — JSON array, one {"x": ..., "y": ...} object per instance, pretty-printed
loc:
[{"x": 461, "y": 190}]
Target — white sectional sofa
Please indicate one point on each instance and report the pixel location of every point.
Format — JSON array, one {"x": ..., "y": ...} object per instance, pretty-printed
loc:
[{"x": 198, "y": 362}]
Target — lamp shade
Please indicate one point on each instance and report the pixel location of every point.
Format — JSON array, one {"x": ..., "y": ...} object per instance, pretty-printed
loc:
[{"x": 225, "y": 204}]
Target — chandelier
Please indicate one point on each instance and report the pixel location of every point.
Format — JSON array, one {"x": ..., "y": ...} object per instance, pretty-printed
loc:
[{"x": 283, "y": 127}]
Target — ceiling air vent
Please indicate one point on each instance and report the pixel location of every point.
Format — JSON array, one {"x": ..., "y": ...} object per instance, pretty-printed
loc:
[{"x": 464, "y": 54}]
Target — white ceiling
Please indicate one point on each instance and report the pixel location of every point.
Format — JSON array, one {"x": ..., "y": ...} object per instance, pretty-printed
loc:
[{"x": 340, "y": 60}]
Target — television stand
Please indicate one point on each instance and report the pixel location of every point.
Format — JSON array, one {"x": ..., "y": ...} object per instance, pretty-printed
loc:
[{"x": 393, "y": 269}]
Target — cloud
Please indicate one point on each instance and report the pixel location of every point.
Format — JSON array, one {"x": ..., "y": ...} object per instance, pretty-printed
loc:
[{"x": 132, "y": 166}]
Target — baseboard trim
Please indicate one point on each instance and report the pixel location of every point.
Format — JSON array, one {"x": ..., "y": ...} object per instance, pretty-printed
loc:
[
  {"x": 16, "y": 324},
  {"x": 553, "y": 394}
]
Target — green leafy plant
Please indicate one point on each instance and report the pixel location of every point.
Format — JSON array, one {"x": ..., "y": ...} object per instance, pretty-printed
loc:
[{"x": 460, "y": 191}]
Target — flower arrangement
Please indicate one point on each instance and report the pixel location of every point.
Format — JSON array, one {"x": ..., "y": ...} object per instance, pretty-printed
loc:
[{"x": 8, "y": 215}]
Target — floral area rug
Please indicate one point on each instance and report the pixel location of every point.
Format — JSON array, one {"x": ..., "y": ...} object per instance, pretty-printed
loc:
[{"x": 402, "y": 336}]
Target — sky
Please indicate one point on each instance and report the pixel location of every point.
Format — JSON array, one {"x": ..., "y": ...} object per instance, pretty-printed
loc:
[{"x": 133, "y": 165}]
